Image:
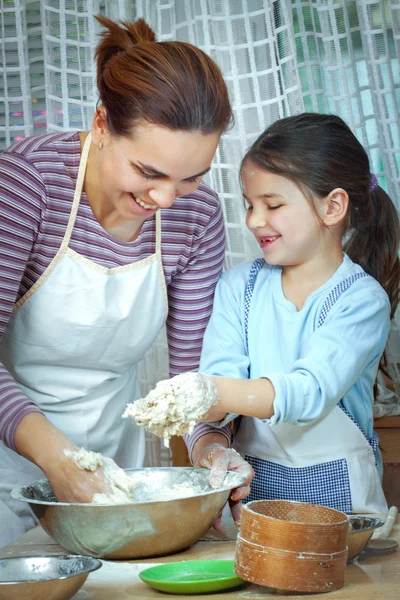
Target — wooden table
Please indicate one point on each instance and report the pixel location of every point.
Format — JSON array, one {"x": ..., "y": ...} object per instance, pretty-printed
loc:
[{"x": 372, "y": 578}]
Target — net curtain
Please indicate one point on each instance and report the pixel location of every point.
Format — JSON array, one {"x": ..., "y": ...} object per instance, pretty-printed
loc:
[{"x": 278, "y": 57}]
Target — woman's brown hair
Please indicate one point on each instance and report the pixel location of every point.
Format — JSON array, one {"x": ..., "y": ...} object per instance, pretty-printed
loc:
[
  {"x": 171, "y": 84},
  {"x": 320, "y": 153}
]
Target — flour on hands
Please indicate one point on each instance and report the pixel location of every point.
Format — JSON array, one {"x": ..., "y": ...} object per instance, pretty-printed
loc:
[
  {"x": 121, "y": 486},
  {"x": 175, "y": 405}
]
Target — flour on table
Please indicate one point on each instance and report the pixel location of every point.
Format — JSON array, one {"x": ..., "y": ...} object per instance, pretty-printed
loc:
[
  {"x": 122, "y": 487},
  {"x": 175, "y": 405}
]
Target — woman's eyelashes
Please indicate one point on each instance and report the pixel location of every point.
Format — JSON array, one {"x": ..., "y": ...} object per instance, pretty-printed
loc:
[{"x": 148, "y": 176}]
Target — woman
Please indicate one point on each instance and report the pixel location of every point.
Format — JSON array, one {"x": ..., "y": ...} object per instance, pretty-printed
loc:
[{"x": 104, "y": 237}]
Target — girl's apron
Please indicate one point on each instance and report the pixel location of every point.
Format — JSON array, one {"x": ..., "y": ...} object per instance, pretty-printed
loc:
[
  {"x": 73, "y": 344},
  {"x": 328, "y": 462}
]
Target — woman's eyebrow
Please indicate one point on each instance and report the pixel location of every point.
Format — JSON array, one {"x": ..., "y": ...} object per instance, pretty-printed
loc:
[{"x": 157, "y": 173}]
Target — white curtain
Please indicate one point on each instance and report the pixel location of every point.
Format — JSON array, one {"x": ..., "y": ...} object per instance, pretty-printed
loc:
[{"x": 278, "y": 57}]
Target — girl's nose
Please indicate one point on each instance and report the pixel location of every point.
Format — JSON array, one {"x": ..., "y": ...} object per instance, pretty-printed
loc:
[
  {"x": 256, "y": 219},
  {"x": 164, "y": 195}
]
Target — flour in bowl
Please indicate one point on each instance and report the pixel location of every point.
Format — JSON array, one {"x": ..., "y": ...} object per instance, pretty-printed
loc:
[
  {"x": 123, "y": 488},
  {"x": 175, "y": 405}
]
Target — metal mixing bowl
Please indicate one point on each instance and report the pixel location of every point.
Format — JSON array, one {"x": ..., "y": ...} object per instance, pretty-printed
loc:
[
  {"x": 361, "y": 529},
  {"x": 44, "y": 577},
  {"x": 138, "y": 529}
]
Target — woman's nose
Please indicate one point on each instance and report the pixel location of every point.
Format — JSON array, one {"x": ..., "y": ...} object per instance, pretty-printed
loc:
[{"x": 163, "y": 195}]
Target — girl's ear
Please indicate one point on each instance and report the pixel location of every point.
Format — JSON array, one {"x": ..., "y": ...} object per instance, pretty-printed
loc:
[
  {"x": 336, "y": 206},
  {"x": 99, "y": 126}
]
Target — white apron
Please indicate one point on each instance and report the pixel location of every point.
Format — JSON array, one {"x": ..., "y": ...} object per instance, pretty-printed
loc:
[
  {"x": 327, "y": 462},
  {"x": 73, "y": 344}
]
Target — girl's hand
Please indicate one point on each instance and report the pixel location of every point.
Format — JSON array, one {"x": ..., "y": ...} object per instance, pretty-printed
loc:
[{"x": 220, "y": 460}]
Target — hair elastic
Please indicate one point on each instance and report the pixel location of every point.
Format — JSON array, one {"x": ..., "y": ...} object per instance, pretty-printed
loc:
[{"x": 373, "y": 183}]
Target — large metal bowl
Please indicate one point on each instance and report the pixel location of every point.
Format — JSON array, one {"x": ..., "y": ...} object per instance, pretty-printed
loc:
[
  {"x": 138, "y": 529},
  {"x": 44, "y": 577}
]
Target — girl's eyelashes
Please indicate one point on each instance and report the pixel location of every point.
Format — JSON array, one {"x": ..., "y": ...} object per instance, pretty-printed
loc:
[{"x": 274, "y": 207}]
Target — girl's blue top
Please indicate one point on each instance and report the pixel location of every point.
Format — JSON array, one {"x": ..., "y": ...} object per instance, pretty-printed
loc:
[{"x": 311, "y": 368}]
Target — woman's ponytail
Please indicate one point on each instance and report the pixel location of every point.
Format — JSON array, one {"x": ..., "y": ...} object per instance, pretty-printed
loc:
[
  {"x": 169, "y": 84},
  {"x": 117, "y": 38}
]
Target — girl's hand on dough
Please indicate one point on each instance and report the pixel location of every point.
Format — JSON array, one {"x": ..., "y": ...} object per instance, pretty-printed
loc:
[
  {"x": 71, "y": 484},
  {"x": 220, "y": 460}
]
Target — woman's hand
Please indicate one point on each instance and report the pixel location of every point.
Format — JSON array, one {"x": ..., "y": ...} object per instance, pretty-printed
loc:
[
  {"x": 72, "y": 484},
  {"x": 42, "y": 443},
  {"x": 220, "y": 460}
]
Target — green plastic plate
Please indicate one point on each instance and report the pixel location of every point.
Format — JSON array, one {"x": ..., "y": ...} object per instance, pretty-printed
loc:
[{"x": 192, "y": 576}]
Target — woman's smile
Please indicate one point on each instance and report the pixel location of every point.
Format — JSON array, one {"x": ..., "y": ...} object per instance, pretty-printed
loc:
[{"x": 143, "y": 207}]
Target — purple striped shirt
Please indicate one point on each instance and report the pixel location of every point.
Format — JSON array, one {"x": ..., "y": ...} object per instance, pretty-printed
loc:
[{"x": 37, "y": 182}]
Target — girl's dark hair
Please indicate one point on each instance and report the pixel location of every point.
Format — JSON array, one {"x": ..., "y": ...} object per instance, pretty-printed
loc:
[
  {"x": 320, "y": 153},
  {"x": 172, "y": 84}
]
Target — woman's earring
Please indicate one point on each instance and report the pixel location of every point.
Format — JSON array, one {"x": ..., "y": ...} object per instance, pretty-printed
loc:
[{"x": 101, "y": 146}]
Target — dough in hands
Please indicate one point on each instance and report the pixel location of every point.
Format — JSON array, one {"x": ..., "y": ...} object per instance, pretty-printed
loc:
[
  {"x": 122, "y": 487},
  {"x": 175, "y": 405}
]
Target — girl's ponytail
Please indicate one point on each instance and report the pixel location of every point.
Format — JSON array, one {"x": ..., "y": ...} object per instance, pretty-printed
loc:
[{"x": 375, "y": 245}]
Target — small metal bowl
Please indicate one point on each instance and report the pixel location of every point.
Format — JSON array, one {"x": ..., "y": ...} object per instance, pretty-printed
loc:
[
  {"x": 361, "y": 529},
  {"x": 44, "y": 577},
  {"x": 137, "y": 529}
]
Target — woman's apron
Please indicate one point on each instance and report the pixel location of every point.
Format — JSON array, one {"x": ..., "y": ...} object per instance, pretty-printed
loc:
[
  {"x": 328, "y": 462},
  {"x": 73, "y": 344}
]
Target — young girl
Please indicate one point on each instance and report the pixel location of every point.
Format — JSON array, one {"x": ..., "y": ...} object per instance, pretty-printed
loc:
[{"x": 295, "y": 338}]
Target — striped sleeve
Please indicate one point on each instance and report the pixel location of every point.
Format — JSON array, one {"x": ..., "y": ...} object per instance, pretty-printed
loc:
[
  {"x": 191, "y": 293},
  {"x": 21, "y": 197},
  {"x": 203, "y": 429}
]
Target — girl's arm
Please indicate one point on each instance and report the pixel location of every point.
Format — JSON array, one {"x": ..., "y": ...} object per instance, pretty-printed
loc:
[
  {"x": 346, "y": 349},
  {"x": 248, "y": 397}
]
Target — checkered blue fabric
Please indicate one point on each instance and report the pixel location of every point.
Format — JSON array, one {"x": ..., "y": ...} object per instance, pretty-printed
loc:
[
  {"x": 327, "y": 484},
  {"x": 255, "y": 269},
  {"x": 335, "y": 295}
]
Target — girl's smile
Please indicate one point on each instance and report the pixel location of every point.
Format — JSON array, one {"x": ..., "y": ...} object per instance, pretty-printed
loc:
[{"x": 267, "y": 241}]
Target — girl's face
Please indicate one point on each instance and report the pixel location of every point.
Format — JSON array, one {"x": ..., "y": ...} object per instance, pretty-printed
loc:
[
  {"x": 137, "y": 176},
  {"x": 281, "y": 218}
]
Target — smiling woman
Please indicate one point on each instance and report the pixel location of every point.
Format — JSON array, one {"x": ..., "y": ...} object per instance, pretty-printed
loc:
[{"x": 104, "y": 236}]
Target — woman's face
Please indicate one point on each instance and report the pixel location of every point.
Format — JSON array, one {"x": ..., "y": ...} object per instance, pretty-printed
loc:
[{"x": 137, "y": 175}]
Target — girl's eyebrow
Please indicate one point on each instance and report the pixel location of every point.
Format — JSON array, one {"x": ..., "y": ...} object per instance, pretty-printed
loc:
[
  {"x": 264, "y": 196},
  {"x": 151, "y": 170}
]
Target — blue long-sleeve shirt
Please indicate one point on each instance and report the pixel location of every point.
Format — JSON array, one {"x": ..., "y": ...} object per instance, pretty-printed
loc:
[{"x": 311, "y": 368}]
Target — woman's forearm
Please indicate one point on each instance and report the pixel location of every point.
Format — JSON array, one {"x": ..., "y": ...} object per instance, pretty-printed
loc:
[
  {"x": 38, "y": 440},
  {"x": 249, "y": 397}
]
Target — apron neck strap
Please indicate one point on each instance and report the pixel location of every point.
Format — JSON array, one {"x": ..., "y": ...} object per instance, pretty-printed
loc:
[
  {"x": 78, "y": 191},
  {"x": 158, "y": 233},
  {"x": 77, "y": 197}
]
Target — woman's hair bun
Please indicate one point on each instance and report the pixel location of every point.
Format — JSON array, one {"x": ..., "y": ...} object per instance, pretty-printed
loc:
[{"x": 121, "y": 37}]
